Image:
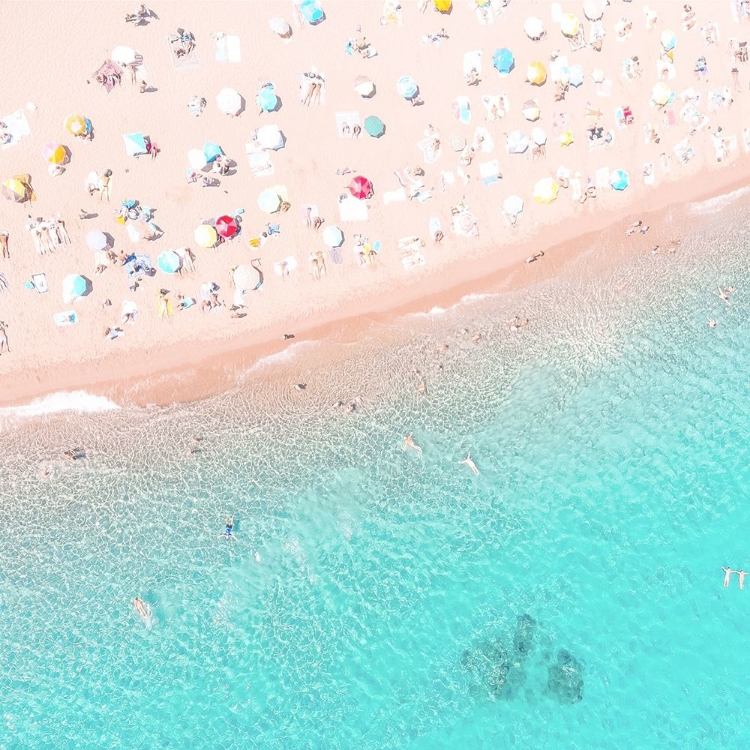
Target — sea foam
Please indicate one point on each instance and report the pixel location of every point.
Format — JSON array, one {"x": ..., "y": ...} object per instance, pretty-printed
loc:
[
  {"x": 719, "y": 202},
  {"x": 55, "y": 403}
]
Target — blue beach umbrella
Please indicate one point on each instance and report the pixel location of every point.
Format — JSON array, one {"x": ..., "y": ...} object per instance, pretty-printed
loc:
[
  {"x": 503, "y": 61},
  {"x": 619, "y": 179},
  {"x": 266, "y": 100},
  {"x": 212, "y": 151},
  {"x": 169, "y": 261},
  {"x": 407, "y": 87},
  {"x": 311, "y": 11},
  {"x": 575, "y": 76},
  {"x": 668, "y": 40},
  {"x": 74, "y": 286},
  {"x": 135, "y": 144},
  {"x": 374, "y": 126}
]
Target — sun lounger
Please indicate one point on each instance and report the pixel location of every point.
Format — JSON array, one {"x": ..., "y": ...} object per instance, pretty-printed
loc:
[
  {"x": 68, "y": 318},
  {"x": 40, "y": 283},
  {"x": 228, "y": 48},
  {"x": 16, "y": 126},
  {"x": 345, "y": 122}
]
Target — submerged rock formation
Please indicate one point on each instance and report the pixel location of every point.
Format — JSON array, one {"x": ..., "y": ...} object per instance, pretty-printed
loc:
[{"x": 566, "y": 678}]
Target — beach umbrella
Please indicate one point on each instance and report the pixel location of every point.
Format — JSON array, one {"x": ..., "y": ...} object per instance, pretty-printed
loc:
[
  {"x": 245, "y": 277},
  {"x": 538, "y": 136},
  {"x": 531, "y": 110},
  {"x": 513, "y": 205},
  {"x": 280, "y": 26},
  {"x": 311, "y": 11},
  {"x": 229, "y": 101},
  {"x": 211, "y": 151},
  {"x": 569, "y": 24},
  {"x": 135, "y": 144},
  {"x": 503, "y": 60},
  {"x": 75, "y": 124},
  {"x": 533, "y": 28},
  {"x": 269, "y": 201},
  {"x": 661, "y": 93},
  {"x": 333, "y": 237},
  {"x": 169, "y": 261},
  {"x": 270, "y": 137},
  {"x": 124, "y": 55},
  {"x": 266, "y": 99},
  {"x": 407, "y": 87},
  {"x": 15, "y": 190},
  {"x": 575, "y": 75},
  {"x": 536, "y": 73},
  {"x": 74, "y": 286},
  {"x": 444, "y": 6},
  {"x": 96, "y": 240},
  {"x": 566, "y": 138},
  {"x": 364, "y": 86},
  {"x": 196, "y": 158},
  {"x": 593, "y": 9},
  {"x": 545, "y": 191},
  {"x": 54, "y": 153},
  {"x": 226, "y": 226},
  {"x": 374, "y": 126},
  {"x": 597, "y": 75},
  {"x": 668, "y": 40},
  {"x": 360, "y": 187},
  {"x": 205, "y": 235},
  {"x": 619, "y": 179},
  {"x": 516, "y": 142}
]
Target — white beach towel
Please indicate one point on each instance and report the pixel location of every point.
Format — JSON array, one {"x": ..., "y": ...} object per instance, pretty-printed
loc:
[
  {"x": 259, "y": 160},
  {"x": 604, "y": 88},
  {"x": 473, "y": 61},
  {"x": 133, "y": 233},
  {"x": 489, "y": 171},
  {"x": 40, "y": 283},
  {"x": 559, "y": 69},
  {"x": 429, "y": 149},
  {"x": 17, "y": 126},
  {"x": 483, "y": 141},
  {"x": 304, "y": 87},
  {"x": 349, "y": 119},
  {"x": 352, "y": 209},
  {"x": 434, "y": 226},
  {"x": 556, "y": 12},
  {"x": 227, "y": 48},
  {"x": 394, "y": 196},
  {"x": 575, "y": 189}
]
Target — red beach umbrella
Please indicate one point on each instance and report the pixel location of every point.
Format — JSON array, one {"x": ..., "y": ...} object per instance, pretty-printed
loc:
[
  {"x": 226, "y": 227},
  {"x": 360, "y": 187}
]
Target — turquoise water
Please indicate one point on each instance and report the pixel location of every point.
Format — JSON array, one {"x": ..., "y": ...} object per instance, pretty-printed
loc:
[{"x": 383, "y": 599}]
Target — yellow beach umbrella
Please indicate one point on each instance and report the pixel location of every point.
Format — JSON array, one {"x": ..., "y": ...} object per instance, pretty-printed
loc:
[
  {"x": 536, "y": 73},
  {"x": 566, "y": 138},
  {"x": 14, "y": 190},
  {"x": 661, "y": 93},
  {"x": 205, "y": 235},
  {"x": 531, "y": 110},
  {"x": 545, "y": 191},
  {"x": 444, "y": 6},
  {"x": 54, "y": 153},
  {"x": 75, "y": 124},
  {"x": 569, "y": 24}
]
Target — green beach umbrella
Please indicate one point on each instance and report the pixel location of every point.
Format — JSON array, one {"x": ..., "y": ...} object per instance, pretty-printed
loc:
[{"x": 374, "y": 126}]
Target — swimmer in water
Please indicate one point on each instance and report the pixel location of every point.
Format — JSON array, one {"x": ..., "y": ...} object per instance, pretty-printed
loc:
[
  {"x": 141, "y": 608},
  {"x": 470, "y": 463},
  {"x": 229, "y": 525},
  {"x": 728, "y": 572},
  {"x": 742, "y": 575},
  {"x": 409, "y": 443}
]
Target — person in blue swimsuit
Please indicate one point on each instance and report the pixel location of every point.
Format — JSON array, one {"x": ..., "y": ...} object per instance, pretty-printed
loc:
[{"x": 229, "y": 524}]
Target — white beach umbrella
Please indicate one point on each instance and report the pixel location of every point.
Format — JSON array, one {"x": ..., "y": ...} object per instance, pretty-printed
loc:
[
  {"x": 196, "y": 158},
  {"x": 364, "y": 86},
  {"x": 124, "y": 55},
  {"x": 516, "y": 142},
  {"x": 245, "y": 277},
  {"x": 597, "y": 75},
  {"x": 593, "y": 9},
  {"x": 279, "y": 26},
  {"x": 270, "y": 137},
  {"x": 96, "y": 240},
  {"x": 538, "y": 136},
  {"x": 533, "y": 28},
  {"x": 513, "y": 205},
  {"x": 229, "y": 101},
  {"x": 531, "y": 110},
  {"x": 333, "y": 236}
]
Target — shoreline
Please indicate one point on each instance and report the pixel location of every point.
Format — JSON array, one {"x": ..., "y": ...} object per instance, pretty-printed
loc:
[{"x": 171, "y": 374}]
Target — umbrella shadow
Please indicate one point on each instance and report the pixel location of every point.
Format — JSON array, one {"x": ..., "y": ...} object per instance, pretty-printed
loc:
[
  {"x": 89, "y": 287},
  {"x": 278, "y": 104},
  {"x": 374, "y": 91},
  {"x": 110, "y": 238},
  {"x": 243, "y": 105}
]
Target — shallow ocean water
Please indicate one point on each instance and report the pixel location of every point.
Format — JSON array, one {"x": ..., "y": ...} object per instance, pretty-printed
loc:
[{"x": 372, "y": 598}]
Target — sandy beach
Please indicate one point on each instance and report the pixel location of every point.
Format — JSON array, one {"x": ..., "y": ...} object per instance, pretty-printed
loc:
[{"x": 695, "y": 144}]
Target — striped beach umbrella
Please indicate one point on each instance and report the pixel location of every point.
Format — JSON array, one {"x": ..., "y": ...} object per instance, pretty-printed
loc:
[
  {"x": 360, "y": 187},
  {"x": 245, "y": 277},
  {"x": 15, "y": 190},
  {"x": 545, "y": 191},
  {"x": 205, "y": 235},
  {"x": 407, "y": 87},
  {"x": 536, "y": 73},
  {"x": 226, "y": 226},
  {"x": 516, "y": 142},
  {"x": 619, "y": 179},
  {"x": 503, "y": 61},
  {"x": 531, "y": 110},
  {"x": 54, "y": 153},
  {"x": 374, "y": 126}
]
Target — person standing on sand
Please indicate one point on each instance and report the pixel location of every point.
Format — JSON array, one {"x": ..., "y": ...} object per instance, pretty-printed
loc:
[
  {"x": 4, "y": 244},
  {"x": 104, "y": 179}
]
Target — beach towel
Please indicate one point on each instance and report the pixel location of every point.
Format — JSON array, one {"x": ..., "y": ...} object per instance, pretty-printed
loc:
[
  {"x": 684, "y": 151},
  {"x": 391, "y": 13},
  {"x": 133, "y": 234},
  {"x": 313, "y": 210},
  {"x": 410, "y": 250},
  {"x": 112, "y": 73},
  {"x": 304, "y": 86},
  {"x": 648, "y": 173},
  {"x": 746, "y": 139},
  {"x": 227, "y": 48},
  {"x": 259, "y": 160},
  {"x": 67, "y": 318},
  {"x": 602, "y": 176},
  {"x": 434, "y": 227},
  {"x": 16, "y": 126},
  {"x": 559, "y": 69},
  {"x": 489, "y": 171},
  {"x": 485, "y": 15},
  {"x": 483, "y": 141},
  {"x": 461, "y": 109},
  {"x": 556, "y": 12},
  {"x": 345, "y": 122},
  {"x": 473, "y": 61},
  {"x": 394, "y": 196},
  {"x": 352, "y": 209},
  {"x": 431, "y": 149},
  {"x": 604, "y": 88},
  {"x": 40, "y": 283},
  {"x": 184, "y": 61},
  {"x": 286, "y": 266},
  {"x": 575, "y": 189}
]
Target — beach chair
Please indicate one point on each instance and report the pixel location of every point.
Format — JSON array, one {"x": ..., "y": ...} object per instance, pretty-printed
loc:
[{"x": 40, "y": 283}]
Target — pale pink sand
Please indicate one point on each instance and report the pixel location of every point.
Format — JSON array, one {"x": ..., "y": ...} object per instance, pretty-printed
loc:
[{"x": 58, "y": 58}]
